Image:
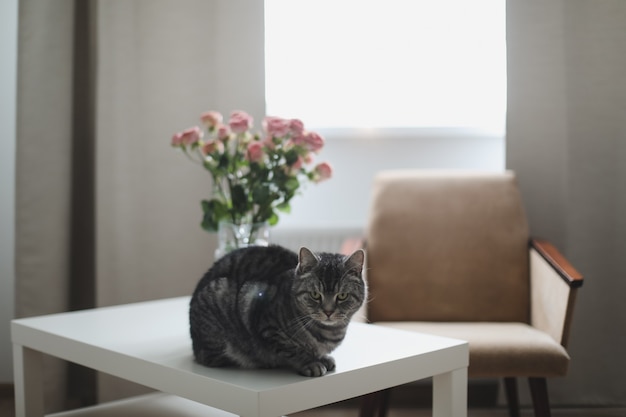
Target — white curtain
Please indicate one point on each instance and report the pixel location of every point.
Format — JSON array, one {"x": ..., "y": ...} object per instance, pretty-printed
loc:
[{"x": 566, "y": 139}]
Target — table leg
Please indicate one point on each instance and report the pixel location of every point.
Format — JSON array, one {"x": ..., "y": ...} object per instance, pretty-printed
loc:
[
  {"x": 450, "y": 394},
  {"x": 27, "y": 375}
]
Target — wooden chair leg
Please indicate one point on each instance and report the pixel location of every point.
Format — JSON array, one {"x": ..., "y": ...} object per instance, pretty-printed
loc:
[
  {"x": 375, "y": 403},
  {"x": 510, "y": 389},
  {"x": 539, "y": 394}
]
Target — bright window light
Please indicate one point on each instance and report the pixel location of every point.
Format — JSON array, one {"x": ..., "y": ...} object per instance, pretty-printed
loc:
[{"x": 387, "y": 63}]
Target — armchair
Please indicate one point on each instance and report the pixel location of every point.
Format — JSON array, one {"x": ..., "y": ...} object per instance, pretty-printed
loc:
[{"x": 449, "y": 253}]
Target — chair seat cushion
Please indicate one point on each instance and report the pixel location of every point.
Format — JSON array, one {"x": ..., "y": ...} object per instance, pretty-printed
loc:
[{"x": 500, "y": 349}]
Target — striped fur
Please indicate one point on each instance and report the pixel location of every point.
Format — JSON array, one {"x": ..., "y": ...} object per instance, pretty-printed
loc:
[{"x": 267, "y": 307}]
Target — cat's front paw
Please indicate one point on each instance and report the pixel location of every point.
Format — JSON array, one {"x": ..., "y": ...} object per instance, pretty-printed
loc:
[
  {"x": 316, "y": 368},
  {"x": 328, "y": 362}
]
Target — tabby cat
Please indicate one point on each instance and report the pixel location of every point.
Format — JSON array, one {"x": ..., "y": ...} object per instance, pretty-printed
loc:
[{"x": 268, "y": 307}]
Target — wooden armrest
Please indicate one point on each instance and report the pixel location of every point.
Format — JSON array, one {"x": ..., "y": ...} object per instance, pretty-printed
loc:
[
  {"x": 552, "y": 255},
  {"x": 553, "y": 283},
  {"x": 351, "y": 244}
]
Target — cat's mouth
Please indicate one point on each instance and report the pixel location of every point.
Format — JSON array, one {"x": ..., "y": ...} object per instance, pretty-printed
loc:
[{"x": 332, "y": 321}]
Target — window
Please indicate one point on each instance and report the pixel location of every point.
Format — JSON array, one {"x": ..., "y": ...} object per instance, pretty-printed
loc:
[{"x": 387, "y": 63}]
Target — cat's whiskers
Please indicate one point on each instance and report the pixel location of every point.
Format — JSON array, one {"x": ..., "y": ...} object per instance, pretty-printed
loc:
[{"x": 298, "y": 325}]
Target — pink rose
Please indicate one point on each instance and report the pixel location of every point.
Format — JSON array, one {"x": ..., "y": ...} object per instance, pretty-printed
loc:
[
  {"x": 187, "y": 137},
  {"x": 323, "y": 171},
  {"x": 268, "y": 142},
  {"x": 296, "y": 126},
  {"x": 311, "y": 141},
  {"x": 177, "y": 139},
  {"x": 255, "y": 151},
  {"x": 276, "y": 127},
  {"x": 212, "y": 146},
  {"x": 211, "y": 119},
  {"x": 240, "y": 121},
  {"x": 223, "y": 132}
]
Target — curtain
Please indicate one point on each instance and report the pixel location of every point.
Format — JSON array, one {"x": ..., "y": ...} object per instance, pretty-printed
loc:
[
  {"x": 107, "y": 212},
  {"x": 47, "y": 197},
  {"x": 566, "y": 139}
]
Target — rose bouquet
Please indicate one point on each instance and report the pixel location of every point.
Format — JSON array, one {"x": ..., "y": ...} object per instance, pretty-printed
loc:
[{"x": 254, "y": 175}]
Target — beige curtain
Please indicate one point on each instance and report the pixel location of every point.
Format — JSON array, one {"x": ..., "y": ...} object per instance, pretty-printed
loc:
[
  {"x": 54, "y": 231},
  {"x": 107, "y": 212},
  {"x": 566, "y": 139}
]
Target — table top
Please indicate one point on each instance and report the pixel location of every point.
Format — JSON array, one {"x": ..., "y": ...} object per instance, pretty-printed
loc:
[{"x": 149, "y": 343}]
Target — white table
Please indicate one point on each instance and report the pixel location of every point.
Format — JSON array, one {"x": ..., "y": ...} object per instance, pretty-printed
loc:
[{"x": 149, "y": 343}]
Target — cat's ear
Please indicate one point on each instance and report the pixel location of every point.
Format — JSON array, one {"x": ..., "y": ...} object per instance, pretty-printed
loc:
[
  {"x": 355, "y": 261},
  {"x": 307, "y": 260}
]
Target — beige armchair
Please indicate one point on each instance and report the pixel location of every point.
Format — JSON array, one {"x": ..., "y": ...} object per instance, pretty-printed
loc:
[{"x": 449, "y": 253}]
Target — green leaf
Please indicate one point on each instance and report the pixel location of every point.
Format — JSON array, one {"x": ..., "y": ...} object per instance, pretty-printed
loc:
[
  {"x": 273, "y": 219},
  {"x": 284, "y": 207},
  {"x": 214, "y": 211},
  {"x": 291, "y": 156},
  {"x": 261, "y": 195},
  {"x": 219, "y": 207},
  {"x": 240, "y": 200},
  {"x": 209, "y": 223},
  {"x": 223, "y": 161},
  {"x": 292, "y": 184},
  {"x": 255, "y": 169}
]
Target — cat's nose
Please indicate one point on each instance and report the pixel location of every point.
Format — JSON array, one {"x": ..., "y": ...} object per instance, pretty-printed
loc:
[{"x": 328, "y": 313}]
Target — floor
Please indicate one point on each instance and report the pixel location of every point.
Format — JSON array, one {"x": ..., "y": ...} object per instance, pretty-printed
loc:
[
  {"x": 473, "y": 412},
  {"x": 7, "y": 410}
]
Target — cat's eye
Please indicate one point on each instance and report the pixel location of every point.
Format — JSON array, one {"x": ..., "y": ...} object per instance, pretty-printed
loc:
[
  {"x": 316, "y": 295},
  {"x": 342, "y": 296}
]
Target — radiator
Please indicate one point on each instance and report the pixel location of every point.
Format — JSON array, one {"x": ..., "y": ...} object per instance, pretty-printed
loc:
[{"x": 318, "y": 239}]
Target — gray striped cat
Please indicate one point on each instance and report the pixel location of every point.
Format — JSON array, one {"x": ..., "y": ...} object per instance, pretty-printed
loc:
[{"x": 268, "y": 307}]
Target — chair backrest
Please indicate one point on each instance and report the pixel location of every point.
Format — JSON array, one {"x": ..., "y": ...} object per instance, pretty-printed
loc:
[{"x": 447, "y": 246}]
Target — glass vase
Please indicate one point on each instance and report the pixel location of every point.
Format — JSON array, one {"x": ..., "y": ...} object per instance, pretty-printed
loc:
[{"x": 231, "y": 236}]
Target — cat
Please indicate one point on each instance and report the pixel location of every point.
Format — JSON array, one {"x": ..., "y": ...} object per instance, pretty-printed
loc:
[{"x": 268, "y": 307}]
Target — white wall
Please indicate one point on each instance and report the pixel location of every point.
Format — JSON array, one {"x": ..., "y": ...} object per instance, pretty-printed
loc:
[
  {"x": 343, "y": 201},
  {"x": 8, "y": 78}
]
